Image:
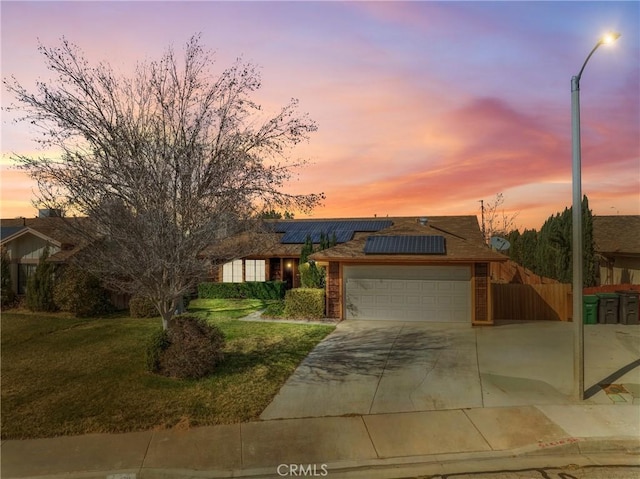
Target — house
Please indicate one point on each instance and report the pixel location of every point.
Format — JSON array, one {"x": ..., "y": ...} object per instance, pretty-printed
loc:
[
  {"x": 617, "y": 247},
  {"x": 405, "y": 268},
  {"x": 24, "y": 240}
]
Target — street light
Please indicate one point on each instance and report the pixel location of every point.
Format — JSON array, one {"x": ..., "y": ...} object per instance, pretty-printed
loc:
[{"x": 578, "y": 329}]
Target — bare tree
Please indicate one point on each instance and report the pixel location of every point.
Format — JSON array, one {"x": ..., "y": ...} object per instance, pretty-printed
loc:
[
  {"x": 495, "y": 222},
  {"x": 163, "y": 163}
]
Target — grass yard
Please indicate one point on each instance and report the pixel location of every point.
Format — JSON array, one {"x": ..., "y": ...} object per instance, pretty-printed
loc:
[{"x": 63, "y": 375}]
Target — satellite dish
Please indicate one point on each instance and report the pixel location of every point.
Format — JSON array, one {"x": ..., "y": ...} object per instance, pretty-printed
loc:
[{"x": 499, "y": 244}]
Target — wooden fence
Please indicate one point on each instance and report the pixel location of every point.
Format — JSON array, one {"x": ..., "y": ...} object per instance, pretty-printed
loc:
[{"x": 545, "y": 302}]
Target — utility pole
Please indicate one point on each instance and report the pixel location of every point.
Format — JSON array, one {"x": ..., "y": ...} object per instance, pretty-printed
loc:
[{"x": 484, "y": 233}]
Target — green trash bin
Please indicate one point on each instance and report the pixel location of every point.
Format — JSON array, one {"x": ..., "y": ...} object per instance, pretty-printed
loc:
[
  {"x": 590, "y": 309},
  {"x": 629, "y": 307},
  {"x": 608, "y": 308}
]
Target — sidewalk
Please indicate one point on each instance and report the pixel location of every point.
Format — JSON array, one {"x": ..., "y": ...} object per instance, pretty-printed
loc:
[{"x": 372, "y": 446}]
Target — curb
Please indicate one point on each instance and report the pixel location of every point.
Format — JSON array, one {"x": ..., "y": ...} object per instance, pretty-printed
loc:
[{"x": 622, "y": 451}]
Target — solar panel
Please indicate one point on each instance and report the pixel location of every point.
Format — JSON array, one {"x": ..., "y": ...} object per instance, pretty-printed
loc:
[
  {"x": 295, "y": 237},
  {"x": 332, "y": 225},
  {"x": 297, "y": 231},
  {"x": 405, "y": 245}
]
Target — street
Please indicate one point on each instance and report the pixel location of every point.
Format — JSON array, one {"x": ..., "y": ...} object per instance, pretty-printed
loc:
[{"x": 566, "y": 472}]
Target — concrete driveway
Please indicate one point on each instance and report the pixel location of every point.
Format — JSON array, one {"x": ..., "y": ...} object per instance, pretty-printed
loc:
[{"x": 373, "y": 367}]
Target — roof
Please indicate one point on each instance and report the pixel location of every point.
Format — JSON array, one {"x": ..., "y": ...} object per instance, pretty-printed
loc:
[
  {"x": 461, "y": 234},
  {"x": 463, "y": 240},
  {"x": 8, "y": 231},
  {"x": 617, "y": 234},
  {"x": 284, "y": 238},
  {"x": 53, "y": 229}
]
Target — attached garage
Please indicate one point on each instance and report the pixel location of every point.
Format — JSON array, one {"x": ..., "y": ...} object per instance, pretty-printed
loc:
[{"x": 408, "y": 292}]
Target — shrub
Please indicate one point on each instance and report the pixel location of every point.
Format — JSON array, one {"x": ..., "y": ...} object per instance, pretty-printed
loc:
[
  {"x": 40, "y": 285},
  {"x": 254, "y": 290},
  {"x": 304, "y": 303},
  {"x": 274, "y": 310},
  {"x": 7, "y": 296},
  {"x": 220, "y": 291},
  {"x": 265, "y": 289},
  {"x": 81, "y": 293},
  {"x": 190, "y": 349},
  {"x": 140, "y": 307},
  {"x": 311, "y": 276},
  {"x": 158, "y": 342}
]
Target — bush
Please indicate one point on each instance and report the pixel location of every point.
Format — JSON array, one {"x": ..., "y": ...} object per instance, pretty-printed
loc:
[
  {"x": 7, "y": 296},
  {"x": 274, "y": 310},
  {"x": 81, "y": 293},
  {"x": 220, "y": 291},
  {"x": 190, "y": 349},
  {"x": 265, "y": 289},
  {"x": 311, "y": 276},
  {"x": 304, "y": 303},
  {"x": 140, "y": 307},
  {"x": 158, "y": 342},
  {"x": 254, "y": 290}
]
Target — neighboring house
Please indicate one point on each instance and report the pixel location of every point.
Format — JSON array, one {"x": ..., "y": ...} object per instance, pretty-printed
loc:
[
  {"x": 408, "y": 268},
  {"x": 24, "y": 240},
  {"x": 617, "y": 247}
]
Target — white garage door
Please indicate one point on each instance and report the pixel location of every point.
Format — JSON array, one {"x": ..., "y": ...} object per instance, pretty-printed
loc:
[{"x": 408, "y": 293}]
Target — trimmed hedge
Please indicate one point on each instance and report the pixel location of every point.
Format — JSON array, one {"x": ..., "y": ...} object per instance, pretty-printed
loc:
[
  {"x": 304, "y": 303},
  {"x": 252, "y": 290}
]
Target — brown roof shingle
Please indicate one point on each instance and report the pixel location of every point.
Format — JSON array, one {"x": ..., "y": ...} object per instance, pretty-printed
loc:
[{"x": 617, "y": 234}]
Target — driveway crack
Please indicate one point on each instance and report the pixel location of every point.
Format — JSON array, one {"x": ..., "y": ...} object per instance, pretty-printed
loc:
[
  {"x": 426, "y": 376},
  {"x": 386, "y": 362}
]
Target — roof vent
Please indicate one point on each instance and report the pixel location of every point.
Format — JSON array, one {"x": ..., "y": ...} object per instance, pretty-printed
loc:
[{"x": 423, "y": 220}]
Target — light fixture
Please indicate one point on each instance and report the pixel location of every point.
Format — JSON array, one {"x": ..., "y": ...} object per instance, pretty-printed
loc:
[{"x": 610, "y": 37}]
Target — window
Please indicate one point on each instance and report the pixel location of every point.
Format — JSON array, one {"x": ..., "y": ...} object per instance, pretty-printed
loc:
[
  {"x": 232, "y": 271},
  {"x": 254, "y": 270}
]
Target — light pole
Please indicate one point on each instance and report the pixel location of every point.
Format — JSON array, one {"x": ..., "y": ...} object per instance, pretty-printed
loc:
[{"x": 578, "y": 327}]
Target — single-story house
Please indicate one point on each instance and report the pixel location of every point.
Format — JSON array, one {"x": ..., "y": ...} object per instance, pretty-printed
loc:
[
  {"x": 403, "y": 268},
  {"x": 617, "y": 247},
  {"x": 24, "y": 240}
]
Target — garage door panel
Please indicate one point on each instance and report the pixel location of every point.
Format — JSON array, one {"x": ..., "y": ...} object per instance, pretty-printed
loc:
[
  {"x": 429, "y": 302},
  {"x": 428, "y": 287},
  {"x": 409, "y": 299},
  {"x": 383, "y": 300}
]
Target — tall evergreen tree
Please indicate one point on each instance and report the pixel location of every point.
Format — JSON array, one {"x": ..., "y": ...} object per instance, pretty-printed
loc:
[
  {"x": 549, "y": 251},
  {"x": 40, "y": 285},
  {"x": 6, "y": 292},
  {"x": 589, "y": 261},
  {"x": 307, "y": 250}
]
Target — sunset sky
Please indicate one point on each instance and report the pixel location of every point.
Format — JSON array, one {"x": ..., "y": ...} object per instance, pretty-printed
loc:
[{"x": 423, "y": 108}]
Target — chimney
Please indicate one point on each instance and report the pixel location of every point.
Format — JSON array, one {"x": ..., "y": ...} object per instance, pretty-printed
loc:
[
  {"x": 423, "y": 220},
  {"x": 50, "y": 213}
]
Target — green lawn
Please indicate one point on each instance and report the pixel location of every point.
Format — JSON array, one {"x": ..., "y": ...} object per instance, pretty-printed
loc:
[{"x": 63, "y": 375}]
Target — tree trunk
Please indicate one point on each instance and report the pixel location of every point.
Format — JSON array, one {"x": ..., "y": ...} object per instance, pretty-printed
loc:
[{"x": 167, "y": 310}]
